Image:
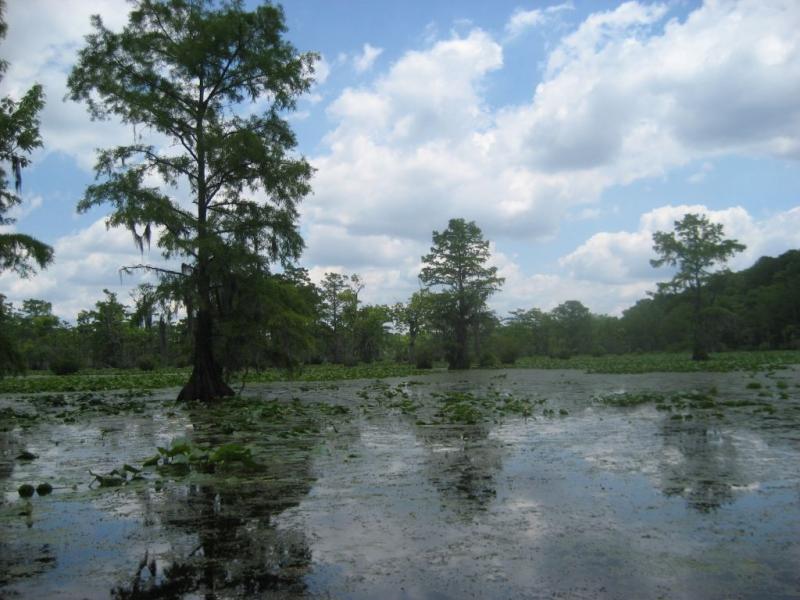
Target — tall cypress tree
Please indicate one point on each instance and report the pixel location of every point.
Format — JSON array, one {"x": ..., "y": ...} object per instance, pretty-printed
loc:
[
  {"x": 456, "y": 270},
  {"x": 217, "y": 80}
]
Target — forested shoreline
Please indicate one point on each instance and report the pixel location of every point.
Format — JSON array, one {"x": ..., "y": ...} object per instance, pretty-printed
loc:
[{"x": 752, "y": 309}]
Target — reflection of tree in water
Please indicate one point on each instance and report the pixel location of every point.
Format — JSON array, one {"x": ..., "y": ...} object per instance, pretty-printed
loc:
[
  {"x": 699, "y": 463},
  {"x": 461, "y": 463},
  {"x": 239, "y": 551}
]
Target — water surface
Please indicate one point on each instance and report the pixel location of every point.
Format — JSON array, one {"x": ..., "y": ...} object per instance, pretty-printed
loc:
[{"x": 394, "y": 499}]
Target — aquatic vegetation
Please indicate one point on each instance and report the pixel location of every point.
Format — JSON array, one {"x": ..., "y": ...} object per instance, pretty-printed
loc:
[
  {"x": 94, "y": 381},
  {"x": 12, "y": 417},
  {"x": 468, "y": 408},
  {"x": 683, "y": 401},
  {"x": 674, "y": 362},
  {"x": 117, "y": 477},
  {"x": 448, "y": 451},
  {"x": 135, "y": 379},
  {"x": 44, "y": 488},
  {"x": 629, "y": 399},
  {"x": 25, "y": 490},
  {"x": 180, "y": 458}
]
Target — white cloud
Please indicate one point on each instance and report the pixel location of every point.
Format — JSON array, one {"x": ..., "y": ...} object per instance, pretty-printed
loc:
[
  {"x": 626, "y": 96},
  {"x": 322, "y": 69},
  {"x": 85, "y": 263},
  {"x": 629, "y": 94},
  {"x": 332, "y": 245},
  {"x": 522, "y": 20},
  {"x": 611, "y": 271},
  {"x": 41, "y": 47},
  {"x": 622, "y": 94},
  {"x": 624, "y": 257},
  {"x": 364, "y": 61}
]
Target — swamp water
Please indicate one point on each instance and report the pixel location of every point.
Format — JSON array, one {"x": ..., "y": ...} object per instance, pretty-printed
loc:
[{"x": 483, "y": 484}]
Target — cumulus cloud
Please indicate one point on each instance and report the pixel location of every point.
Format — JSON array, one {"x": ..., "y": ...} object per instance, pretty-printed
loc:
[
  {"x": 636, "y": 96},
  {"x": 332, "y": 245},
  {"x": 611, "y": 271},
  {"x": 41, "y": 47},
  {"x": 322, "y": 69},
  {"x": 628, "y": 95},
  {"x": 86, "y": 262},
  {"x": 624, "y": 257},
  {"x": 522, "y": 20},
  {"x": 364, "y": 61}
]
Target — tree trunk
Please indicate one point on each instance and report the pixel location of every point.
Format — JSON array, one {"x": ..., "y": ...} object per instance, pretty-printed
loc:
[
  {"x": 206, "y": 382},
  {"x": 162, "y": 340},
  {"x": 460, "y": 358},
  {"x": 412, "y": 342},
  {"x": 699, "y": 351}
]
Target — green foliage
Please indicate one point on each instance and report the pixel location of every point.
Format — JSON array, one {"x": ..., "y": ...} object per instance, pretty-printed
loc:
[
  {"x": 65, "y": 365},
  {"x": 190, "y": 70},
  {"x": 19, "y": 136},
  {"x": 105, "y": 328},
  {"x": 571, "y": 329},
  {"x": 470, "y": 409},
  {"x": 164, "y": 378},
  {"x": 369, "y": 332},
  {"x": 413, "y": 318},
  {"x": 488, "y": 360},
  {"x": 43, "y": 489},
  {"x": 685, "y": 405},
  {"x": 695, "y": 247},
  {"x": 267, "y": 321},
  {"x": 456, "y": 268},
  {"x": 182, "y": 452},
  {"x": 423, "y": 355},
  {"x": 117, "y": 477},
  {"x": 146, "y": 363},
  {"x": 11, "y": 361},
  {"x": 25, "y": 490}
]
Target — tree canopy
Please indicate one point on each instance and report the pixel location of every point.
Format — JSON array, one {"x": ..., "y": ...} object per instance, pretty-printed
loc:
[
  {"x": 694, "y": 247},
  {"x": 216, "y": 80},
  {"x": 456, "y": 268},
  {"x": 19, "y": 136}
]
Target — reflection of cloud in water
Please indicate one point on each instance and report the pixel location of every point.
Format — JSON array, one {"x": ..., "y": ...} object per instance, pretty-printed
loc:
[{"x": 376, "y": 439}]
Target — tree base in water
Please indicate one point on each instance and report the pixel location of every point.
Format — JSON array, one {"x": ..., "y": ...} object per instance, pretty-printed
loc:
[{"x": 205, "y": 385}]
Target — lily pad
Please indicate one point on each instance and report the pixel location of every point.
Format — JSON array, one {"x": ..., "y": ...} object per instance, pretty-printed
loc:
[
  {"x": 44, "y": 488},
  {"x": 25, "y": 490}
]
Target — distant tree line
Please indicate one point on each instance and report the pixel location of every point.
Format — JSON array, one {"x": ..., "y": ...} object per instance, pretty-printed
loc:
[{"x": 296, "y": 321}]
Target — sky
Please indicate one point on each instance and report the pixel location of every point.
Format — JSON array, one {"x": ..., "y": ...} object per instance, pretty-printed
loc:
[{"x": 568, "y": 131}]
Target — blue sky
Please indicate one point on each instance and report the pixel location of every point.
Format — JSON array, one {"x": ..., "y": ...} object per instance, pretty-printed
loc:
[{"x": 569, "y": 131}]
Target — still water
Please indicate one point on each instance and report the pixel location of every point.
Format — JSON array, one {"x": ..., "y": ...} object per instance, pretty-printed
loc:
[{"x": 395, "y": 497}]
